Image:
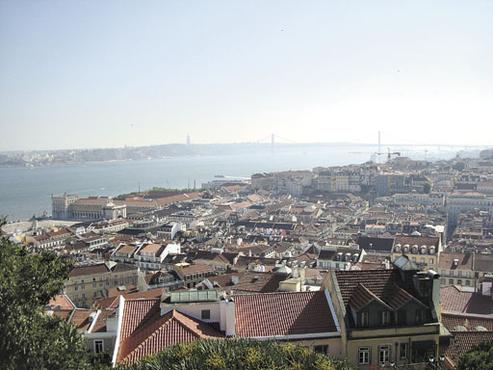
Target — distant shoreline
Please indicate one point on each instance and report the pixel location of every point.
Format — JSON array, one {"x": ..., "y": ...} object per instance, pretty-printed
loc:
[{"x": 63, "y": 157}]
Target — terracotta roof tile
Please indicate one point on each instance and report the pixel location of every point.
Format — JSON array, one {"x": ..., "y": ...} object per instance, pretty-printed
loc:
[
  {"x": 454, "y": 300},
  {"x": 418, "y": 240},
  {"x": 446, "y": 261},
  {"x": 62, "y": 302},
  {"x": 100, "y": 324},
  {"x": 463, "y": 342},
  {"x": 362, "y": 296},
  {"x": 470, "y": 322},
  {"x": 80, "y": 318},
  {"x": 99, "y": 268},
  {"x": 265, "y": 315},
  {"x": 383, "y": 283},
  {"x": 145, "y": 332},
  {"x": 112, "y": 302}
]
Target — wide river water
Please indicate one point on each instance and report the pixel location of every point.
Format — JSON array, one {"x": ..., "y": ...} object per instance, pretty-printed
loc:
[{"x": 27, "y": 191}]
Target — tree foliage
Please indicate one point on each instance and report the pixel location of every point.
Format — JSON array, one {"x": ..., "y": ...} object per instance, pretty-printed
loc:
[
  {"x": 237, "y": 354},
  {"x": 29, "y": 338},
  {"x": 478, "y": 358}
]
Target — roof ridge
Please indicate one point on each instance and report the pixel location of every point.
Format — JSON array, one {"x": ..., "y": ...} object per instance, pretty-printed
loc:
[
  {"x": 141, "y": 299},
  {"x": 279, "y": 293},
  {"x": 374, "y": 296},
  {"x": 176, "y": 316},
  {"x": 163, "y": 320}
]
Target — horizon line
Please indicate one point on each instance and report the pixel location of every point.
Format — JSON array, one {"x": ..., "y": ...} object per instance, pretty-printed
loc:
[{"x": 383, "y": 145}]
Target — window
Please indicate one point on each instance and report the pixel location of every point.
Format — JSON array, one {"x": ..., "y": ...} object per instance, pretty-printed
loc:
[
  {"x": 322, "y": 349},
  {"x": 364, "y": 319},
  {"x": 419, "y": 316},
  {"x": 401, "y": 317},
  {"x": 205, "y": 314},
  {"x": 468, "y": 283},
  {"x": 403, "y": 351},
  {"x": 364, "y": 355},
  {"x": 385, "y": 317},
  {"x": 459, "y": 282},
  {"x": 443, "y": 281},
  {"x": 384, "y": 354},
  {"x": 98, "y": 346}
]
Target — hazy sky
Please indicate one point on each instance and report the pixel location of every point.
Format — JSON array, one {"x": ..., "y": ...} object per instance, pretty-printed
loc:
[{"x": 111, "y": 73}]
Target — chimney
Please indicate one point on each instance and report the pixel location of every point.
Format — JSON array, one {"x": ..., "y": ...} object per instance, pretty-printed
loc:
[
  {"x": 435, "y": 294},
  {"x": 486, "y": 285},
  {"x": 230, "y": 318},
  {"x": 235, "y": 279}
]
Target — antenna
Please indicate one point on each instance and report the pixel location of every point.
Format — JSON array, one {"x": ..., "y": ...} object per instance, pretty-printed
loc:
[{"x": 379, "y": 142}]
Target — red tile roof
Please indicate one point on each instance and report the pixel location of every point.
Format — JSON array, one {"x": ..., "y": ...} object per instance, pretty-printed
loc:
[
  {"x": 112, "y": 302},
  {"x": 463, "y": 342},
  {"x": 144, "y": 332},
  {"x": 453, "y": 299},
  {"x": 465, "y": 261},
  {"x": 468, "y": 321},
  {"x": 80, "y": 318},
  {"x": 273, "y": 314},
  {"x": 382, "y": 283},
  {"x": 362, "y": 296},
  {"x": 62, "y": 302},
  {"x": 100, "y": 324},
  {"x": 418, "y": 240},
  {"x": 99, "y": 268}
]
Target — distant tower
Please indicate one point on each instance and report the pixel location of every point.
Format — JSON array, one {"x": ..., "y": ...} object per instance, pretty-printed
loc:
[
  {"x": 379, "y": 146},
  {"x": 379, "y": 142},
  {"x": 188, "y": 139}
]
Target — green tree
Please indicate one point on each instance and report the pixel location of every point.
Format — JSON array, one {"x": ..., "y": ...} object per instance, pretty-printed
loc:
[
  {"x": 479, "y": 357},
  {"x": 29, "y": 338},
  {"x": 231, "y": 354}
]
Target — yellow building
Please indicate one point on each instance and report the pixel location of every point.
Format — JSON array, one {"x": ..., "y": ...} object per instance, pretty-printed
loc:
[
  {"x": 90, "y": 282},
  {"x": 387, "y": 316}
]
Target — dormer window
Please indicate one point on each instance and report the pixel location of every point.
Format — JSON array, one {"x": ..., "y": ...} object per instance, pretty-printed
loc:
[
  {"x": 385, "y": 317},
  {"x": 364, "y": 319}
]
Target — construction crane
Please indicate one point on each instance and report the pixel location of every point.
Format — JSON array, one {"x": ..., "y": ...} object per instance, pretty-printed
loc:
[
  {"x": 374, "y": 154},
  {"x": 390, "y": 154}
]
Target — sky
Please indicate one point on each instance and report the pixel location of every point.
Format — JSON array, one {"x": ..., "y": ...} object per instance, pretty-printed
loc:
[{"x": 102, "y": 73}]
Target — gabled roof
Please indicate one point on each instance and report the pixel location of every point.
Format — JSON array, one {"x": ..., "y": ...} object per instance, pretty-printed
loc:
[
  {"x": 145, "y": 332},
  {"x": 384, "y": 286},
  {"x": 362, "y": 297},
  {"x": 402, "y": 297},
  {"x": 282, "y": 314}
]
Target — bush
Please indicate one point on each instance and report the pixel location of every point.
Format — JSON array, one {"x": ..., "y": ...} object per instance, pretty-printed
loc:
[
  {"x": 237, "y": 354},
  {"x": 477, "y": 358}
]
